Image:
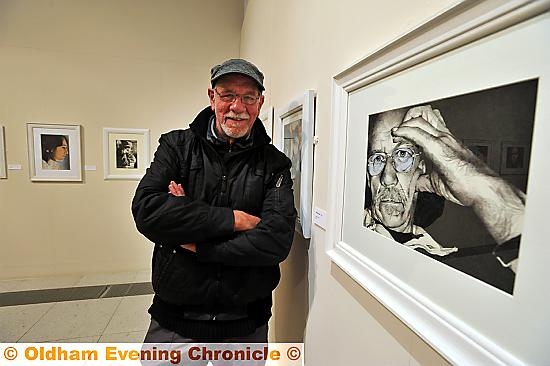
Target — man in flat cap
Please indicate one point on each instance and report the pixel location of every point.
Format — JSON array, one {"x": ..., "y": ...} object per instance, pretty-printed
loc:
[{"x": 217, "y": 203}]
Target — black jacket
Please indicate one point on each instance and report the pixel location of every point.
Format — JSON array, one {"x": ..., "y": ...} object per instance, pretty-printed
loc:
[{"x": 230, "y": 270}]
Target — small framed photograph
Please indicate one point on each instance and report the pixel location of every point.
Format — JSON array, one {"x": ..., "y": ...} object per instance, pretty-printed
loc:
[
  {"x": 3, "y": 174},
  {"x": 54, "y": 152},
  {"x": 483, "y": 150},
  {"x": 514, "y": 158},
  {"x": 125, "y": 153},
  {"x": 295, "y": 129}
]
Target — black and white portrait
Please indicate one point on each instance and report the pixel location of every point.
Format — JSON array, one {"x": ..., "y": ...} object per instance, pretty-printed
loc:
[
  {"x": 431, "y": 186},
  {"x": 292, "y": 145},
  {"x": 126, "y": 154}
]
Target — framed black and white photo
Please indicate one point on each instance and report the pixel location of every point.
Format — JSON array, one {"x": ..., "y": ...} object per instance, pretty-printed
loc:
[
  {"x": 3, "y": 174},
  {"x": 515, "y": 157},
  {"x": 295, "y": 129},
  {"x": 125, "y": 153},
  {"x": 266, "y": 116},
  {"x": 54, "y": 152},
  {"x": 483, "y": 150},
  {"x": 438, "y": 178}
]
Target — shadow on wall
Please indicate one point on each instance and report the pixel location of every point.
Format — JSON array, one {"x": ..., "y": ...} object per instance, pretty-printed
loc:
[
  {"x": 291, "y": 305},
  {"x": 416, "y": 347}
]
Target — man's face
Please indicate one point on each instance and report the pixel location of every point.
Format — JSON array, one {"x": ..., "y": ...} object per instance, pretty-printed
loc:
[
  {"x": 235, "y": 119},
  {"x": 394, "y": 167}
]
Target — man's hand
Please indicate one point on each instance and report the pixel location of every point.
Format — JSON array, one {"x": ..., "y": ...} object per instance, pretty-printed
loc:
[
  {"x": 178, "y": 191},
  {"x": 191, "y": 247},
  {"x": 455, "y": 165},
  {"x": 460, "y": 176},
  {"x": 244, "y": 221}
]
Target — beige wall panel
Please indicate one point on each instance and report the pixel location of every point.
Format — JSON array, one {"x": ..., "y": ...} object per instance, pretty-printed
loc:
[{"x": 123, "y": 63}]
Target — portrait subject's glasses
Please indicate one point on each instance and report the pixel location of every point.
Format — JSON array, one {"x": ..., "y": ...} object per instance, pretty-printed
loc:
[
  {"x": 401, "y": 158},
  {"x": 231, "y": 97}
]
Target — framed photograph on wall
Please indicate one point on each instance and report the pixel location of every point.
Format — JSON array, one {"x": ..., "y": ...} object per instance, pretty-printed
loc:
[
  {"x": 295, "y": 129},
  {"x": 266, "y": 116},
  {"x": 54, "y": 152},
  {"x": 3, "y": 173},
  {"x": 514, "y": 157},
  {"x": 125, "y": 153},
  {"x": 433, "y": 204},
  {"x": 483, "y": 150}
]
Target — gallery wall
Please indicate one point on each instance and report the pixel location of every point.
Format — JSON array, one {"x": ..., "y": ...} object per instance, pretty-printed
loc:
[
  {"x": 301, "y": 45},
  {"x": 102, "y": 63}
]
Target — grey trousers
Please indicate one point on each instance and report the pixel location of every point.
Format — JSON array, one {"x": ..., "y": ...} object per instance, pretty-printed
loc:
[{"x": 157, "y": 335}]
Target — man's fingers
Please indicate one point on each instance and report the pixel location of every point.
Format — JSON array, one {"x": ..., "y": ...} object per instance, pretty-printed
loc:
[
  {"x": 176, "y": 189},
  {"x": 422, "y": 124},
  {"x": 432, "y": 116},
  {"x": 431, "y": 145}
]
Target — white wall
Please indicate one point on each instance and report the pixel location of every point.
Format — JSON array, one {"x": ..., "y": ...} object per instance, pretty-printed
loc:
[
  {"x": 100, "y": 63},
  {"x": 302, "y": 45}
]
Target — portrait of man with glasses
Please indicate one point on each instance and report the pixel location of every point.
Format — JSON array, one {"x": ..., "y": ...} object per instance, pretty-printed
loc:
[{"x": 420, "y": 174}]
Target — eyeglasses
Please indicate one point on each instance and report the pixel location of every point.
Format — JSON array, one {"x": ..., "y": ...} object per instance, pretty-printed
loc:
[
  {"x": 402, "y": 160},
  {"x": 231, "y": 97}
]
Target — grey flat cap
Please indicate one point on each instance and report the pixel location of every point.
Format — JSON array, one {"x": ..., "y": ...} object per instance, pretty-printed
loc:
[{"x": 238, "y": 66}]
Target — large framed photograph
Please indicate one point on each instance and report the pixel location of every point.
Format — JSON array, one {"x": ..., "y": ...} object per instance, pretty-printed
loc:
[
  {"x": 296, "y": 126},
  {"x": 266, "y": 116},
  {"x": 125, "y": 153},
  {"x": 439, "y": 179},
  {"x": 3, "y": 173},
  {"x": 54, "y": 152}
]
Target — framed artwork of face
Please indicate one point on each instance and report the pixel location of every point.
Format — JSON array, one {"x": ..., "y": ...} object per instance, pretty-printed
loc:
[
  {"x": 125, "y": 153},
  {"x": 54, "y": 152}
]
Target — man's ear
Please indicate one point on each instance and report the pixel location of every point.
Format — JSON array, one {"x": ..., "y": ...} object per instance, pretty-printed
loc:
[{"x": 211, "y": 97}]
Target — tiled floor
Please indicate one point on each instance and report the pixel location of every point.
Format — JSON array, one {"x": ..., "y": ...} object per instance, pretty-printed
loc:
[{"x": 114, "y": 319}]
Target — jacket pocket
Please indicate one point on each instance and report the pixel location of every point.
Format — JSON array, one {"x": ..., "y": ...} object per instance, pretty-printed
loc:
[{"x": 178, "y": 278}]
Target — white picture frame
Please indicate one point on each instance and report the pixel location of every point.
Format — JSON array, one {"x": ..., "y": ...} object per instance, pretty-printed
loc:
[
  {"x": 300, "y": 113},
  {"x": 3, "y": 171},
  {"x": 467, "y": 321},
  {"x": 126, "y": 153},
  {"x": 266, "y": 116},
  {"x": 64, "y": 161}
]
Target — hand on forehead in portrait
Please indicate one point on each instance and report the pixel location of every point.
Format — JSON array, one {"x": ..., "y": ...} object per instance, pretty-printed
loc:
[{"x": 394, "y": 166}]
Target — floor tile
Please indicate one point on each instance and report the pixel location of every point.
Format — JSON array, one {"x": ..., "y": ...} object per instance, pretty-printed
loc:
[
  {"x": 131, "y": 315},
  {"x": 91, "y": 339},
  {"x": 73, "y": 319},
  {"x": 17, "y": 320},
  {"x": 38, "y": 283},
  {"x": 130, "y": 337}
]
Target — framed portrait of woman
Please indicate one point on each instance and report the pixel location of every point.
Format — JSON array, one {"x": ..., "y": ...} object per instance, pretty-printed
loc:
[{"x": 54, "y": 152}]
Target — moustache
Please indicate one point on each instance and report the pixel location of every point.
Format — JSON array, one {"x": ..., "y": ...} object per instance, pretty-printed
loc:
[
  {"x": 237, "y": 116},
  {"x": 391, "y": 194}
]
